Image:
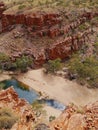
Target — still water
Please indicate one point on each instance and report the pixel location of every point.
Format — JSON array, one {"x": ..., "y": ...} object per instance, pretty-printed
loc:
[{"x": 31, "y": 95}]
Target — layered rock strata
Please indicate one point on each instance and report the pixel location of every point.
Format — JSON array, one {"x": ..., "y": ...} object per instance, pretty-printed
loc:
[
  {"x": 38, "y": 25},
  {"x": 62, "y": 48},
  {"x": 44, "y": 24}
]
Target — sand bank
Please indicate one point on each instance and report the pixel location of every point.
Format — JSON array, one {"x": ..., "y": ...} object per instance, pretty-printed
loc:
[
  {"x": 4, "y": 76},
  {"x": 59, "y": 88}
]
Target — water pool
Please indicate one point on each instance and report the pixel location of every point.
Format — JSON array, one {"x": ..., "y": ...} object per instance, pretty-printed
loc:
[{"x": 30, "y": 94}]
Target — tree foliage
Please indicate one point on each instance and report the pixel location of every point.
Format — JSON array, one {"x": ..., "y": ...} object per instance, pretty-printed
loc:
[
  {"x": 86, "y": 69},
  {"x": 21, "y": 63},
  {"x": 53, "y": 65}
]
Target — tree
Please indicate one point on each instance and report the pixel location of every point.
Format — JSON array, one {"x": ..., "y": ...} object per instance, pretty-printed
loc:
[
  {"x": 87, "y": 69},
  {"x": 24, "y": 62},
  {"x": 53, "y": 65}
]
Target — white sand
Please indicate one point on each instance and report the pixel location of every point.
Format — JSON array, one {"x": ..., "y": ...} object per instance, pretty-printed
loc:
[
  {"x": 59, "y": 88},
  {"x": 52, "y": 112},
  {"x": 4, "y": 76}
]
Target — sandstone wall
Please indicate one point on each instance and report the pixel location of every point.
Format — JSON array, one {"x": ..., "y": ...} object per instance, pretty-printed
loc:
[
  {"x": 34, "y": 20},
  {"x": 2, "y": 8},
  {"x": 62, "y": 48},
  {"x": 41, "y": 24}
]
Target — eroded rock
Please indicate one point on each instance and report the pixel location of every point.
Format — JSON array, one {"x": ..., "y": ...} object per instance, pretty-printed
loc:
[
  {"x": 10, "y": 99},
  {"x": 74, "y": 118}
]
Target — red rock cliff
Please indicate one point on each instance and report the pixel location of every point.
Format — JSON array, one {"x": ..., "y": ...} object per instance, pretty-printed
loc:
[{"x": 2, "y": 8}]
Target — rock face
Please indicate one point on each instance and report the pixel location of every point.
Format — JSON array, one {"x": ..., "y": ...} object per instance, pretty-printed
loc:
[
  {"x": 41, "y": 24},
  {"x": 10, "y": 99},
  {"x": 74, "y": 118},
  {"x": 35, "y": 20},
  {"x": 62, "y": 49},
  {"x": 48, "y": 26},
  {"x": 2, "y": 8}
]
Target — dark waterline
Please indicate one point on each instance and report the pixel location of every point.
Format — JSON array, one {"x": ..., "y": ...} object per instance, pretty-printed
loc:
[{"x": 31, "y": 95}]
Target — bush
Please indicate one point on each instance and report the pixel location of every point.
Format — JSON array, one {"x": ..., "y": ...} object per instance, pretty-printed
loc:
[
  {"x": 7, "y": 118},
  {"x": 3, "y": 57},
  {"x": 51, "y": 118},
  {"x": 87, "y": 69},
  {"x": 23, "y": 63},
  {"x": 53, "y": 65},
  {"x": 38, "y": 108},
  {"x": 21, "y": 7},
  {"x": 2, "y": 85}
]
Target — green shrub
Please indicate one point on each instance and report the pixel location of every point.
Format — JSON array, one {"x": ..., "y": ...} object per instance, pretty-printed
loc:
[
  {"x": 53, "y": 65},
  {"x": 37, "y": 106},
  {"x": 23, "y": 63},
  {"x": 3, "y": 57},
  {"x": 51, "y": 118},
  {"x": 7, "y": 118},
  {"x": 2, "y": 85},
  {"x": 21, "y": 7},
  {"x": 87, "y": 69}
]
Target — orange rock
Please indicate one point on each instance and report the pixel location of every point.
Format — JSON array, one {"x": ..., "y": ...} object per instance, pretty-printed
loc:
[
  {"x": 10, "y": 99},
  {"x": 72, "y": 119}
]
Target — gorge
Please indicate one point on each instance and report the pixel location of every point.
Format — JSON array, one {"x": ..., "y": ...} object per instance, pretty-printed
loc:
[{"x": 48, "y": 65}]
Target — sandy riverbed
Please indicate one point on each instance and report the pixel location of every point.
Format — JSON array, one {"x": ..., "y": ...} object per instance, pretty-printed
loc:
[
  {"x": 59, "y": 88},
  {"x": 4, "y": 76}
]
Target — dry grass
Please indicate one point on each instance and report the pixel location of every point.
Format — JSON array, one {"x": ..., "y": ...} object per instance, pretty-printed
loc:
[
  {"x": 7, "y": 118},
  {"x": 50, "y": 5}
]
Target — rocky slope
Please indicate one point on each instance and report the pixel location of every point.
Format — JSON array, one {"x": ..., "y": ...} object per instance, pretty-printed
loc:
[
  {"x": 75, "y": 118},
  {"x": 55, "y": 34},
  {"x": 27, "y": 117}
]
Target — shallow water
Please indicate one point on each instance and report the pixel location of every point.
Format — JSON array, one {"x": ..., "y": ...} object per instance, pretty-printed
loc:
[{"x": 30, "y": 94}]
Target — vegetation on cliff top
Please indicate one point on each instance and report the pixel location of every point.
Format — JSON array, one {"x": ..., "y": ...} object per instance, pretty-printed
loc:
[{"x": 50, "y": 5}]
